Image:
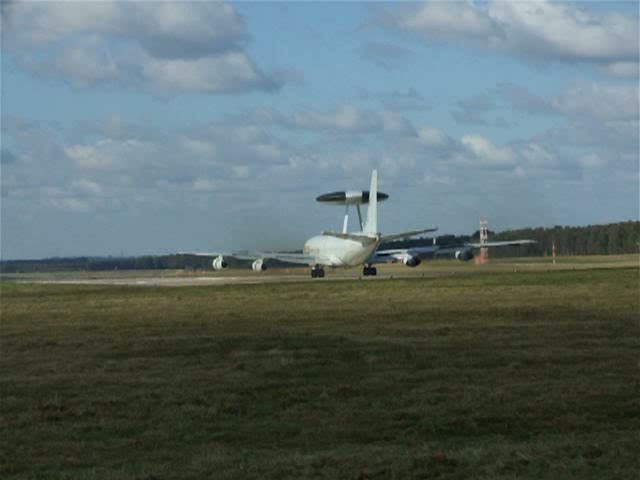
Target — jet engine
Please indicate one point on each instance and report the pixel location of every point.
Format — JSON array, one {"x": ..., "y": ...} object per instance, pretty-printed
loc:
[
  {"x": 258, "y": 266},
  {"x": 464, "y": 255},
  {"x": 219, "y": 263},
  {"x": 411, "y": 261}
]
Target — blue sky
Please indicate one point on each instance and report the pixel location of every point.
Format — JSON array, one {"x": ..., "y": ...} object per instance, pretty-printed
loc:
[{"x": 155, "y": 127}]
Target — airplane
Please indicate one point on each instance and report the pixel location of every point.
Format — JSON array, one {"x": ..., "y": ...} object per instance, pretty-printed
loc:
[
  {"x": 349, "y": 249},
  {"x": 332, "y": 249},
  {"x": 413, "y": 256}
]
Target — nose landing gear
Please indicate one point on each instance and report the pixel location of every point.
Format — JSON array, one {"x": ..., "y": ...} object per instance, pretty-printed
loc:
[{"x": 317, "y": 272}]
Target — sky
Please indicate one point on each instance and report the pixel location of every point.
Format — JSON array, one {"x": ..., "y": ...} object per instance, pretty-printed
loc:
[{"x": 133, "y": 128}]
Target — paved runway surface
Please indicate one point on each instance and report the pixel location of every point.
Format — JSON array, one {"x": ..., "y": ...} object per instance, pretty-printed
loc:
[
  {"x": 227, "y": 279},
  {"x": 185, "y": 278}
]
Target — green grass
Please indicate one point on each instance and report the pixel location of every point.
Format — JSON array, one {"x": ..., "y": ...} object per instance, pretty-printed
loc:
[{"x": 496, "y": 375}]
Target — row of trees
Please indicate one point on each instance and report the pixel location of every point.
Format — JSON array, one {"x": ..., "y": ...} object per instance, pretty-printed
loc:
[
  {"x": 610, "y": 239},
  {"x": 614, "y": 238},
  {"x": 95, "y": 264}
]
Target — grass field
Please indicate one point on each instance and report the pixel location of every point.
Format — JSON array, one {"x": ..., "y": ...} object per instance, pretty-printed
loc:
[{"x": 505, "y": 375}]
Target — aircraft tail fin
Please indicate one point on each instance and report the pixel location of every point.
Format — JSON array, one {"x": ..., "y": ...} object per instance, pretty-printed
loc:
[{"x": 371, "y": 226}]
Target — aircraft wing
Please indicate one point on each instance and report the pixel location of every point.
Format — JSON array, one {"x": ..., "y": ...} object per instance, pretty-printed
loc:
[
  {"x": 398, "y": 236},
  {"x": 401, "y": 254},
  {"x": 499, "y": 244},
  {"x": 429, "y": 251},
  {"x": 285, "y": 257}
]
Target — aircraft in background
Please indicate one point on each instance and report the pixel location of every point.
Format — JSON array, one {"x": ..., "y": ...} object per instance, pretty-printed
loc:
[
  {"x": 413, "y": 256},
  {"x": 344, "y": 249}
]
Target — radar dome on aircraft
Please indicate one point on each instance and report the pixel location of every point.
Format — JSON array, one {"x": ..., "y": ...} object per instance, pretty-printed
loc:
[{"x": 350, "y": 197}]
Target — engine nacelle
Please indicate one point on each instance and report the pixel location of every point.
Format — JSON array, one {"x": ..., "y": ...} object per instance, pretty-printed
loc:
[
  {"x": 464, "y": 255},
  {"x": 411, "y": 261},
  {"x": 219, "y": 263},
  {"x": 258, "y": 266}
]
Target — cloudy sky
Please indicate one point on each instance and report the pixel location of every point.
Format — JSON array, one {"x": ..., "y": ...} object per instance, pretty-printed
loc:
[{"x": 155, "y": 127}]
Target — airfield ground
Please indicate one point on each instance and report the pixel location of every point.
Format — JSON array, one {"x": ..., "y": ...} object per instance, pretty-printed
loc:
[
  {"x": 513, "y": 370},
  {"x": 428, "y": 269}
]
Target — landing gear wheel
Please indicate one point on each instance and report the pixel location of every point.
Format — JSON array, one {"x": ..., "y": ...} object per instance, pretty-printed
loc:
[
  {"x": 317, "y": 272},
  {"x": 369, "y": 271}
]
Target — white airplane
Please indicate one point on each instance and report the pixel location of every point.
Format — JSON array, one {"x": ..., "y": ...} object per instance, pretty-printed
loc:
[
  {"x": 413, "y": 256},
  {"x": 331, "y": 249},
  {"x": 344, "y": 249}
]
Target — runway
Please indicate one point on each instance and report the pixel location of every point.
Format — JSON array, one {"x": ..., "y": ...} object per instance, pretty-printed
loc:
[
  {"x": 190, "y": 278},
  {"x": 190, "y": 281}
]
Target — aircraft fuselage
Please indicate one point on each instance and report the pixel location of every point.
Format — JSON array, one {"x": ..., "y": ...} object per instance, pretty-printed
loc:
[{"x": 332, "y": 251}]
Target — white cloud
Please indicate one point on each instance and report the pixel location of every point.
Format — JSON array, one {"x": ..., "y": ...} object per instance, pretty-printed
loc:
[
  {"x": 603, "y": 102},
  {"x": 89, "y": 156},
  {"x": 70, "y": 204},
  {"x": 624, "y": 69},
  {"x": 79, "y": 196},
  {"x": 197, "y": 147},
  {"x": 486, "y": 151},
  {"x": 385, "y": 55},
  {"x": 85, "y": 66},
  {"x": 241, "y": 171},
  {"x": 108, "y": 153},
  {"x": 250, "y": 134},
  {"x": 168, "y": 47},
  {"x": 565, "y": 31},
  {"x": 395, "y": 122},
  {"x": 85, "y": 186},
  {"x": 431, "y": 178},
  {"x": 592, "y": 160},
  {"x": 432, "y": 137},
  {"x": 203, "y": 185},
  {"x": 541, "y": 30},
  {"x": 445, "y": 20},
  {"x": 185, "y": 29},
  {"x": 358, "y": 160},
  {"x": 164, "y": 29},
  {"x": 42, "y": 22},
  {"x": 397, "y": 165},
  {"x": 398, "y": 100},
  {"x": 266, "y": 150},
  {"x": 584, "y": 102},
  {"x": 537, "y": 155},
  {"x": 64, "y": 199},
  {"x": 346, "y": 117},
  {"x": 224, "y": 73}
]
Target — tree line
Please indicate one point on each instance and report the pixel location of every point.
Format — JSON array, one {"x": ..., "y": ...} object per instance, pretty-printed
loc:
[{"x": 610, "y": 239}]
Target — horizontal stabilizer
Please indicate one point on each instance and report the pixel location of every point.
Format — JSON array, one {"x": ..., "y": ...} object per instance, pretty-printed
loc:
[{"x": 356, "y": 237}]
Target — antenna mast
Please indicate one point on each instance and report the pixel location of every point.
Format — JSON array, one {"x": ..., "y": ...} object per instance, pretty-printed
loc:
[{"x": 484, "y": 238}]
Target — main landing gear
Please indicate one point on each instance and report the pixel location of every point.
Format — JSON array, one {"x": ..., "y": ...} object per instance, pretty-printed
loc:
[
  {"x": 368, "y": 270},
  {"x": 317, "y": 272}
]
